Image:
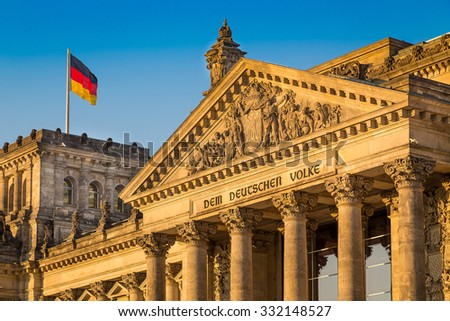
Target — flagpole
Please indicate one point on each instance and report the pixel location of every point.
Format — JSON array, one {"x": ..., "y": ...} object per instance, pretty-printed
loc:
[{"x": 68, "y": 93}]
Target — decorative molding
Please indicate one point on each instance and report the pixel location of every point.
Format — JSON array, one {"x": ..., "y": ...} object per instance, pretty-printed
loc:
[
  {"x": 350, "y": 69},
  {"x": 156, "y": 244},
  {"x": 294, "y": 204},
  {"x": 409, "y": 171},
  {"x": 349, "y": 188},
  {"x": 409, "y": 56},
  {"x": 222, "y": 263},
  {"x": 240, "y": 219}
]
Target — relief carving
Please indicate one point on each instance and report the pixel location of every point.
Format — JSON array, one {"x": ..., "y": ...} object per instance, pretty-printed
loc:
[
  {"x": 350, "y": 69},
  {"x": 222, "y": 259},
  {"x": 417, "y": 53},
  {"x": 263, "y": 115}
]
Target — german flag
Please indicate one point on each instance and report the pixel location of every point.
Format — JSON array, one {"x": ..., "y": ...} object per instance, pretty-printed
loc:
[{"x": 82, "y": 81}]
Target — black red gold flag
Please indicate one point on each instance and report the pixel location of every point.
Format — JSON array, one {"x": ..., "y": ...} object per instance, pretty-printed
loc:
[{"x": 82, "y": 81}]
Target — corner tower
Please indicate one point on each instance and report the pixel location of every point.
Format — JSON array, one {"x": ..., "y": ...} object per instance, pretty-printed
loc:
[{"x": 222, "y": 56}]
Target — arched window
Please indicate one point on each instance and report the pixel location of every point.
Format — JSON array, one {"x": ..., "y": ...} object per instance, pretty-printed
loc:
[
  {"x": 68, "y": 191},
  {"x": 94, "y": 196},
  {"x": 119, "y": 206},
  {"x": 24, "y": 193}
]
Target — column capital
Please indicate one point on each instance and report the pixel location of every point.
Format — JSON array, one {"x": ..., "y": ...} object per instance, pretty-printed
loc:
[
  {"x": 240, "y": 219},
  {"x": 156, "y": 244},
  {"x": 390, "y": 199},
  {"x": 172, "y": 270},
  {"x": 196, "y": 232},
  {"x": 367, "y": 211},
  {"x": 294, "y": 204},
  {"x": 348, "y": 188},
  {"x": 262, "y": 240},
  {"x": 132, "y": 280},
  {"x": 99, "y": 289},
  {"x": 445, "y": 181},
  {"x": 409, "y": 171}
]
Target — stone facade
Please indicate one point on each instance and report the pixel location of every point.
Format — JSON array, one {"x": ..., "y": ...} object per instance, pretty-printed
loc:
[
  {"x": 282, "y": 184},
  {"x": 54, "y": 189}
]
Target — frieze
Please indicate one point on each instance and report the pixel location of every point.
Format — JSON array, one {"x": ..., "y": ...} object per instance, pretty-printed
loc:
[
  {"x": 262, "y": 115},
  {"x": 350, "y": 69},
  {"x": 416, "y": 53}
]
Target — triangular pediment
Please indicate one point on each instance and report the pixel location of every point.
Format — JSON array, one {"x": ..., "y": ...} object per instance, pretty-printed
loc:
[{"x": 256, "y": 106}]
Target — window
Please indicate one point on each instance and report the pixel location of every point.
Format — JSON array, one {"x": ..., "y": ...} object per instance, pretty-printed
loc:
[
  {"x": 11, "y": 198},
  {"x": 94, "y": 197},
  {"x": 68, "y": 191},
  {"x": 119, "y": 206}
]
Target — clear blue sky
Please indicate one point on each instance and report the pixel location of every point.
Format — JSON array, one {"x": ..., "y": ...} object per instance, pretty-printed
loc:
[{"x": 148, "y": 55}]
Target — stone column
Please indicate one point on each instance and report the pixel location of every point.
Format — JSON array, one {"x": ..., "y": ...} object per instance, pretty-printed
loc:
[
  {"x": 390, "y": 199},
  {"x": 17, "y": 190},
  {"x": 294, "y": 208},
  {"x": 155, "y": 246},
  {"x": 172, "y": 290},
  {"x": 99, "y": 289},
  {"x": 409, "y": 175},
  {"x": 240, "y": 223},
  {"x": 349, "y": 192},
  {"x": 29, "y": 189},
  {"x": 195, "y": 234},
  {"x": 109, "y": 189},
  {"x": 132, "y": 282},
  {"x": 3, "y": 203}
]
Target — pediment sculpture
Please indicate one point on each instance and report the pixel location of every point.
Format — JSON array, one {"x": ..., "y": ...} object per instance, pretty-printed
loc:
[{"x": 263, "y": 115}]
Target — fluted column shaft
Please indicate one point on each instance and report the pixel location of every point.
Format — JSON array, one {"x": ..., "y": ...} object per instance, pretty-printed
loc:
[
  {"x": 155, "y": 246},
  {"x": 240, "y": 223},
  {"x": 196, "y": 234},
  {"x": 409, "y": 175},
  {"x": 349, "y": 192},
  {"x": 294, "y": 208}
]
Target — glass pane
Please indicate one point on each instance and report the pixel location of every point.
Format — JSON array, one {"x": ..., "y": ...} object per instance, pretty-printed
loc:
[
  {"x": 380, "y": 297},
  {"x": 327, "y": 262},
  {"x": 328, "y": 288},
  {"x": 378, "y": 279}
]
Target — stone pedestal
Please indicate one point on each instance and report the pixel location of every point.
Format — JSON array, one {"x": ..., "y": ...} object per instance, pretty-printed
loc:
[
  {"x": 155, "y": 246},
  {"x": 294, "y": 208},
  {"x": 240, "y": 223},
  {"x": 349, "y": 192},
  {"x": 196, "y": 234},
  {"x": 409, "y": 175}
]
